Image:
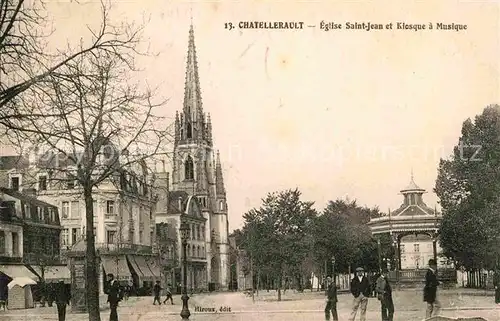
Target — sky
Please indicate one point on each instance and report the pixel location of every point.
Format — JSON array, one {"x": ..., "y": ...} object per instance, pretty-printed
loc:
[{"x": 339, "y": 113}]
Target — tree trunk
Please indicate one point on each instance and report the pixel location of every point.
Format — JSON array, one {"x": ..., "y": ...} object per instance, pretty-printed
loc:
[
  {"x": 258, "y": 281},
  {"x": 91, "y": 264},
  {"x": 279, "y": 286}
]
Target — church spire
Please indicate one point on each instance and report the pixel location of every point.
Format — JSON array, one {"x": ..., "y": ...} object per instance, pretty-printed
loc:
[
  {"x": 193, "y": 126},
  {"x": 220, "y": 190}
]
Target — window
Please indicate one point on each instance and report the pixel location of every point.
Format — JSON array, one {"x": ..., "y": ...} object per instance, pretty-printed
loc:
[
  {"x": 416, "y": 248},
  {"x": 15, "y": 183},
  {"x": 412, "y": 198},
  {"x": 15, "y": 243},
  {"x": 189, "y": 131},
  {"x": 65, "y": 209},
  {"x": 110, "y": 207},
  {"x": 221, "y": 205},
  {"x": 189, "y": 168},
  {"x": 27, "y": 211},
  {"x": 64, "y": 237},
  {"x": 70, "y": 182},
  {"x": 111, "y": 237},
  {"x": 152, "y": 238},
  {"x": 75, "y": 209},
  {"x": 203, "y": 232},
  {"x": 140, "y": 237},
  {"x": 74, "y": 235},
  {"x": 191, "y": 234},
  {"x": 42, "y": 183},
  {"x": 198, "y": 251},
  {"x": 198, "y": 236}
]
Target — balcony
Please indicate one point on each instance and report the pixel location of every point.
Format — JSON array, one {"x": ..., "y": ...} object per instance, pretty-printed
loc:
[
  {"x": 110, "y": 218},
  {"x": 123, "y": 248}
]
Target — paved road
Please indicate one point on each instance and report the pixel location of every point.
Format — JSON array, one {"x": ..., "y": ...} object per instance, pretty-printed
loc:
[{"x": 306, "y": 306}]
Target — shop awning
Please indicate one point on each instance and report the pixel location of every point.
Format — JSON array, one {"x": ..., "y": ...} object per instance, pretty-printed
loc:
[
  {"x": 18, "y": 271},
  {"x": 54, "y": 273},
  {"x": 116, "y": 265},
  {"x": 143, "y": 266},
  {"x": 134, "y": 265},
  {"x": 155, "y": 269}
]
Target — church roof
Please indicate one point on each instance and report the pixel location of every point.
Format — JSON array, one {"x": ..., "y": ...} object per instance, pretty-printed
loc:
[{"x": 173, "y": 202}]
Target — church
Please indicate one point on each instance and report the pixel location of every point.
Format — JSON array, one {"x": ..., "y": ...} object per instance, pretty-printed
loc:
[{"x": 197, "y": 192}]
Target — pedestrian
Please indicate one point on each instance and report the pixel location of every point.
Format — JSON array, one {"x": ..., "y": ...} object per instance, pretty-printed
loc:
[
  {"x": 156, "y": 291},
  {"x": 496, "y": 283},
  {"x": 62, "y": 298},
  {"x": 384, "y": 295},
  {"x": 168, "y": 293},
  {"x": 360, "y": 289},
  {"x": 4, "y": 290},
  {"x": 113, "y": 292},
  {"x": 331, "y": 300},
  {"x": 430, "y": 290}
]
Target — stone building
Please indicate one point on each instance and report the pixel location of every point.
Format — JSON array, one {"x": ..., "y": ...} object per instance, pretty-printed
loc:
[
  {"x": 29, "y": 239},
  {"x": 124, "y": 223}
]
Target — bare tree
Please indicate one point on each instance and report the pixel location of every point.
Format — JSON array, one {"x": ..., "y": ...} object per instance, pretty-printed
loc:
[
  {"x": 96, "y": 125},
  {"x": 26, "y": 64}
]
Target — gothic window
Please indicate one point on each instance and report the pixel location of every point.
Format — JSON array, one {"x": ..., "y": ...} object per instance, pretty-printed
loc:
[
  {"x": 189, "y": 131},
  {"x": 189, "y": 168},
  {"x": 221, "y": 205}
]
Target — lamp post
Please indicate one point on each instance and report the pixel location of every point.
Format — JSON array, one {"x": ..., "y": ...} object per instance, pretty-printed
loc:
[
  {"x": 333, "y": 267},
  {"x": 185, "y": 230}
]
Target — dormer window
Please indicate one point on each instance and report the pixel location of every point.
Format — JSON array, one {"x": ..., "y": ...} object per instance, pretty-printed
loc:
[{"x": 15, "y": 182}]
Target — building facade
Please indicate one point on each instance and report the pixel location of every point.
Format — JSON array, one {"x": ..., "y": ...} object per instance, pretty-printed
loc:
[
  {"x": 29, "y": 240},
  {"x": 124, "y": 224}
]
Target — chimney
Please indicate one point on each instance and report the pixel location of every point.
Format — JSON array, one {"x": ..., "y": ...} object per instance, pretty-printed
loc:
[{"x": 33, "y": 156}]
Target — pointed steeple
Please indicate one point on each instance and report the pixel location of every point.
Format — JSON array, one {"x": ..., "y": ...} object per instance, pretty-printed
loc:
[
  {"x": 192, "y": 92},
  {"x": 220, "y": 190},
  {"x": 193, "y": 126}
]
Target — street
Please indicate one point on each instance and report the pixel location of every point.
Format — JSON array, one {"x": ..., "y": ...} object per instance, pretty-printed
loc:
[{"x": 295, "y": 306}]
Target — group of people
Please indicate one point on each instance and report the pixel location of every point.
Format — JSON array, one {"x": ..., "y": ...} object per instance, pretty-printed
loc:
[{"x": 361, "y": 290}]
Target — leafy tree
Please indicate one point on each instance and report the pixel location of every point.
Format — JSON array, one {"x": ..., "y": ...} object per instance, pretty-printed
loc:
[
  {"x": 276, "y": 231},
  {"x": 468, "y": 185}
]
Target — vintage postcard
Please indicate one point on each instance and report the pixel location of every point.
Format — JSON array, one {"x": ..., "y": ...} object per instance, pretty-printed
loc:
[{"x": 249, "y": 160}]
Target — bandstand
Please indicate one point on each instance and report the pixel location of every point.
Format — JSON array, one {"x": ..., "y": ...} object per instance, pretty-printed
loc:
[{"x": 412, "y": 224}]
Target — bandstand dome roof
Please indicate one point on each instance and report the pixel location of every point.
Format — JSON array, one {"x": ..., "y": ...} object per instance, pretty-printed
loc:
[{"x": 412, "y": 187}]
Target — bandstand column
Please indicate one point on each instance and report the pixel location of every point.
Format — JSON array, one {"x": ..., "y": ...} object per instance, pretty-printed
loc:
[
  {"x": 379, "y": 250},
  {"x": 395, "y": 244},
  {"x": 434, "y": 247}
]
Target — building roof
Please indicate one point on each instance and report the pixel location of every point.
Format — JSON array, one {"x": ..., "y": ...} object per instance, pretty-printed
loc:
[
  {"x": 10, "y": 162},
  {"x": 412, "y": 187},
  {"x": 26, "y": 198}
]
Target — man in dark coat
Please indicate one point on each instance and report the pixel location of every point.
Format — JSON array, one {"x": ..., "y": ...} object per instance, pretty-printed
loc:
[
  {"x": 360, "y": 289},
  {"x": 384, "y": 295},
  {"x": 430, "y": 290},
  {"x": 331, "y": 299},
  {"x": 496, "y": 283},
  {"x": 156, "y": 291},
  {"x": 62, "y": 298},
  {"x": 113, "y": 297}
]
